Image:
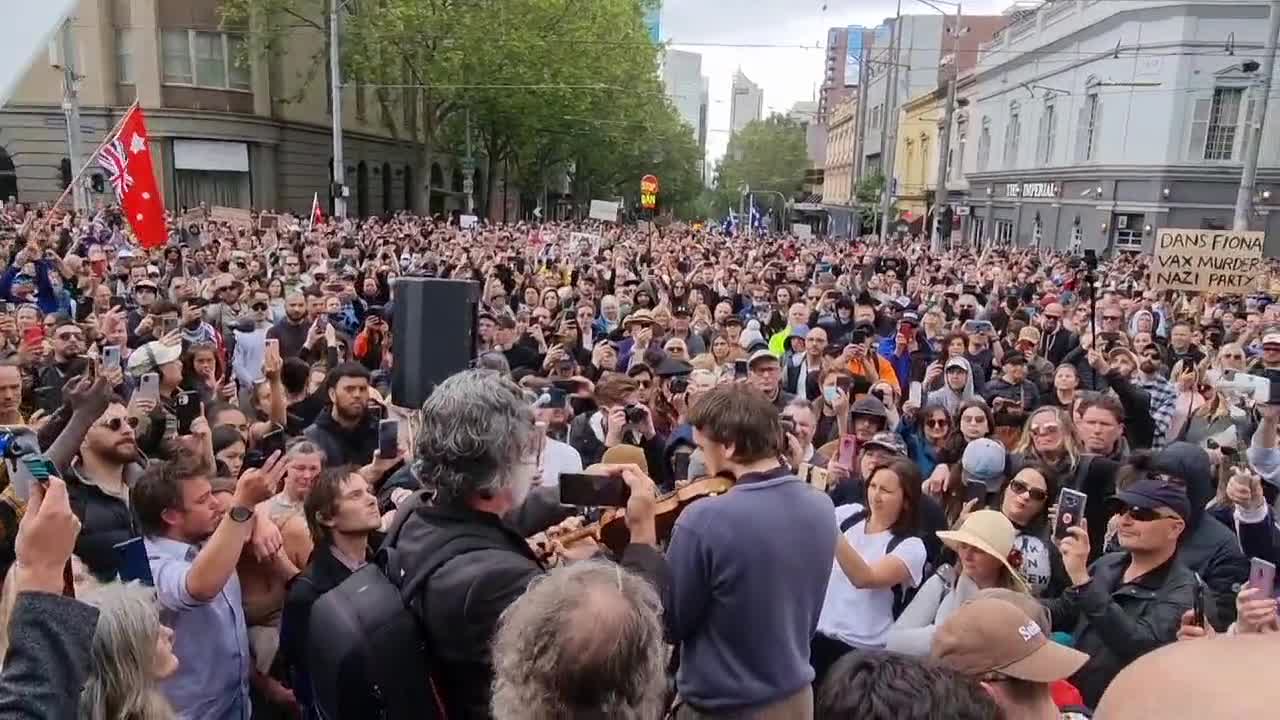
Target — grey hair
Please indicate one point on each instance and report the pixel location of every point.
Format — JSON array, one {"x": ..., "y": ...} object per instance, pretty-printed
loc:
[
  {"x": 302, "y": 446},
  {"x": 120, "y": 684},
  {"x": 477, "y": 427},
  {"x": 584, "y": 641}
]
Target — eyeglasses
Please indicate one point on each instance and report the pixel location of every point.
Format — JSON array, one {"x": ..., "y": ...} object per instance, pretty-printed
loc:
[
  {"x": 937, "y": 423},
  {"x": 645, "y": 384},
  {"x": 1231, "y": 356},
  {"x": 68, "y": 336},
  {"x": 1112, "y": 318},
  {"x": 1047, "y": 429},
  {"x": 115, "y": 424},
  {"x": 1144, "y": 515},
  {"x": 1020, "y": 488}
]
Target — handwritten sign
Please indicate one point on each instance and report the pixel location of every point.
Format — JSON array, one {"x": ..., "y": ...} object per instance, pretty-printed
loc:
[
  {"x": 234, "y": 216},
  {"x": 605, "y": 210},
  {"x": 1213, "y": 261},
  {"x": 467, "y": 221}
]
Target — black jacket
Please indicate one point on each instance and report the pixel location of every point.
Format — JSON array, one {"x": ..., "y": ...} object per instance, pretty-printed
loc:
[
  {"x": 105, "y": 520},
  {"x": 340, "y": 445},
  {"x": 50, "y": 639},
  {"x": 291, "y": 337},
  {"x": 461, "y": 603},
  {"x": 1116, "y": 622},
  {"x": 583, "y": 438},
  {"x": 1055, "y": 346}
]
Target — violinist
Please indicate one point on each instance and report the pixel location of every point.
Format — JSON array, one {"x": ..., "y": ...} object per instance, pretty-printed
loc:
[
  {"x": 476, "y": 449},
  {"x": 737, "y": 559}
]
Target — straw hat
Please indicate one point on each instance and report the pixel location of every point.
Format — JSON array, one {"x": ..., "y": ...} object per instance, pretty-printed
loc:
[{"x": 989, "y": 531}]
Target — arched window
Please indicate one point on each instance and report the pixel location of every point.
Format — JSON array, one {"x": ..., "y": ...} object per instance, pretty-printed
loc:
[
  {"x": 457, "y": 179},
  {"x": 386, "y": 187},
  {"x": 8, "y": 177}
]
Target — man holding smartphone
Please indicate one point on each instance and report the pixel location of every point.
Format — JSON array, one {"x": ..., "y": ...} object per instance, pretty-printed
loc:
[{"x": 1130, "y": 602}]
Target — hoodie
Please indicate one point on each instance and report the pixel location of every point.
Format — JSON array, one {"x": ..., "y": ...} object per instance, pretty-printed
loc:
[
  {"x": 1207, "y": 546},
  {"x": 948, "y": 398}
]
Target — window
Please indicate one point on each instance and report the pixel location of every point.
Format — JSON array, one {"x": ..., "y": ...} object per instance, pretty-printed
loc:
[
  {"x": 124, "y": 56},
  {"x": 176, "y": 48},
  {"x": 924, "y": 162},
  {"x": 1215, "y": 124},
  {"x": 1077, "y": 237},
  {"x": 205, "y": 59},
  {"x": 957, "y": 160},
  {"x": 1087, "y": 140},
  {"x": 1004, "y": 232},
  {"x": 984, "y": 145},
  {"x": 911, "y": 156},
  {"x": 1011, "y": 136},
  {"x": 1037, "y": 233},
  {"x": 1048, "y": 130}
]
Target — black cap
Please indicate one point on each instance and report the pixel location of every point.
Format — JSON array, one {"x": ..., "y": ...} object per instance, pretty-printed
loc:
[
  {"x": 1014, "y": 358},
  {"x": 1152, "y": 494},
  {"x": 670, "y": 367},
  {"x": 732, "y": 320}
]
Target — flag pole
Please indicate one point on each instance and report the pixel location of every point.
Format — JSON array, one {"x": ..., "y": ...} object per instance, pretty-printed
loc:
[{"x": 94, "y": 155}]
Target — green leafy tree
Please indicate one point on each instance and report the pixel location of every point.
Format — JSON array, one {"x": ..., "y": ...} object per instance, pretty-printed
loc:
[
  {"x": 869, "y": 192},
  {"x": 765, "y": 155}
]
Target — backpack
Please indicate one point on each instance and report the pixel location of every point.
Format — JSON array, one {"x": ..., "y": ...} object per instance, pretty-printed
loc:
[
  {"x": 368, "y": 656},
  {"x": 902, "y": 596}
]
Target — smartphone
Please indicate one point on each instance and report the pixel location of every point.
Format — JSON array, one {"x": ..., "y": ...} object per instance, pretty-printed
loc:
[
  {"x": 33, "y": 336},
  {"x": 1262, "y": 576},
  {"x": 188, "y": 409},
  {"x": 134, "y": 564},
  {"x": 739, "y": 369},
  {"x": 388, "y": 439},
  {"x": 272, "y": 442},
  {"x": 25, "y": 475},
  {"x": 593, "y": 490},
  {"x": 111, "y": 357},
  {"x": 975, "y": 490},
  {"x": 1197, "y": 605},
  {"x": 117, "y": 301},
  {"x": 83, "y": 311},
  {"x": 978, "y": 327},
  {"x": 848, "y": 451},
  {"x": 168, "y": 325},
  {"x": 1070, "y": 511},
  {"x": 149, "y": 386},
  {"x": 680, "y": 466},
  {"x": 844, "y": 383},
  {"x": 915, "y": 393}
]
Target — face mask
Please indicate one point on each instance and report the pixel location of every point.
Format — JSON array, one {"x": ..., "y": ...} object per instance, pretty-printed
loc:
[{"x": 831, "y": 394}]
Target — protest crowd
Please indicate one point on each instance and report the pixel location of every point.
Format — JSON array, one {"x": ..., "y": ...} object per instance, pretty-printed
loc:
[{"x": 688, "y": 474}]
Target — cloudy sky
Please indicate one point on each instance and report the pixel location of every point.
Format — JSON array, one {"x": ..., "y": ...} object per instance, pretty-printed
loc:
[{"x": 786, "y": 74}]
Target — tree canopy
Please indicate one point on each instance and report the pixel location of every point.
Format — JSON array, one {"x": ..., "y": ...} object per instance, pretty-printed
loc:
[{"x": 766, "y": 154}]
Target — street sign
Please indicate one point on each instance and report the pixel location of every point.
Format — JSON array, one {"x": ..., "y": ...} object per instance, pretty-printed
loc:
[{"x": 649, "y": 192}]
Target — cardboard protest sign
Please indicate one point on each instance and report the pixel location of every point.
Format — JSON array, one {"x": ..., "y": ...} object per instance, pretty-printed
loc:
[
  {"x": 234, "y": 216},
  {"x": 267, "y": 221},
  {"x": 1212, "y": 261},
  {"x": 580, "y": 240},
  {"x": 466, "y": 221},
  {"x": 606, "y": 210}
]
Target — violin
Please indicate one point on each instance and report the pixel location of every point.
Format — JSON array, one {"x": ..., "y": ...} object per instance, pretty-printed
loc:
[{"x": 611, "y": 529}]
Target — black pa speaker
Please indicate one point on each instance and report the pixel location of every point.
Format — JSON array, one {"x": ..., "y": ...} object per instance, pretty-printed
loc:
[{"x": 434, "y": 335}]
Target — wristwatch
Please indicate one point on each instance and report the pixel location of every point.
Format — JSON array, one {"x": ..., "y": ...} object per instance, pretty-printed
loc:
[{"x": 240, "y": 514}]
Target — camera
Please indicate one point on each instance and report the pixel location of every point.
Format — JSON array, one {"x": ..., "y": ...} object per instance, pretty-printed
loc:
[
  {"x": 635, "y": 414},
  {"x": 679, "y": 384}
]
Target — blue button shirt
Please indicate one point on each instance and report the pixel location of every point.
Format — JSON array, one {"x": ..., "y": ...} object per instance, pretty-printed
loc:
[{"x": 210, "y": 639}]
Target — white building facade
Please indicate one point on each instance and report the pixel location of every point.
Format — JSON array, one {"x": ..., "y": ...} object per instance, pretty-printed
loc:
[
  {"x": 916, "y": 60},
  {"x": 746, "y": 102},
  {"x": 1092, "y": 124},
  {"x": 687, "y": 89}
]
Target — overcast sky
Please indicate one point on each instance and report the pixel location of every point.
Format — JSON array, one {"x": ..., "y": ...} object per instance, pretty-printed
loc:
[{"x": 786, "y": 75}]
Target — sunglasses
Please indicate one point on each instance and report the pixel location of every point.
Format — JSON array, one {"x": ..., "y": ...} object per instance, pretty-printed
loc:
[
  {"x": 1143, "y": 515},
  {"x": 1020, "y": 488},
  {"x": 937, "y": 423},
  {"x": 259, "y": 306},
  {"x": 115, "y": 424},
  {"x": 1112, "y": 318},
  {"x": 70, "y": 336},
  {"x": 1052, "y": 429}
]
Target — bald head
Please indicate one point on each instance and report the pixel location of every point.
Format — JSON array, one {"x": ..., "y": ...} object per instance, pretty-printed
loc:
[{"x": 1210, "y": 679}]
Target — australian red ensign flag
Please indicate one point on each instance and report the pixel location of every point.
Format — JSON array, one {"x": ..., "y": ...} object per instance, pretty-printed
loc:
[{"x": 127, "y": 160}]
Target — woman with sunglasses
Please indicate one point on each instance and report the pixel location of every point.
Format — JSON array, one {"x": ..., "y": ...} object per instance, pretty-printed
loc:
[
  {"x": 1025, "y": 499},
  {"x": 929, "y": 434},
  {"x": 1201, "y": 412},
  {"x": 984, "y": 550}
]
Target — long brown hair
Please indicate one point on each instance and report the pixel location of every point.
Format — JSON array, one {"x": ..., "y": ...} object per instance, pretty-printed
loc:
[{"x": 910, "y": 480}]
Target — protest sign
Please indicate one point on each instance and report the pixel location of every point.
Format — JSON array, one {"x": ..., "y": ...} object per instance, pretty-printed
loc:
[
  {"x": 466, "y": 221},
  {"x": 267, "y": 221},
  {"x": 1212, "y": 261},
  {"x": 580, "y": 240},
  {"x": 606, "y": 210},
  {"x": 801, "y": 231},
  {"x": 235, "y": 216}
]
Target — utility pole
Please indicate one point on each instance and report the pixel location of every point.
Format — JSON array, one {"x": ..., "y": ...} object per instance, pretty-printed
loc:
[
  {"x": 335, "y": 88},
  {"x": 940, "y": 200},
  {"x": 71, "y": 111},
  {"x": 889, "y": 139},
  {"x": 859, "y": 142},
  {"x": 468, "y": 179},
  {"x": 1253, "y": 136}
]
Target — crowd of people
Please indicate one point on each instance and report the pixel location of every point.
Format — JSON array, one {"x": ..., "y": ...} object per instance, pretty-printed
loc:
[{"x": 858, "y": 479}]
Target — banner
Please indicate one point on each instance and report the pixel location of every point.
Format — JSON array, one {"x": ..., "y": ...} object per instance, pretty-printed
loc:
[
  {"x": 466, "y": 221},
  {"x": 234, "y": 216},
  {"x": 580, "y": 240},
  {"x": 606, "y": 210},
  {"x": 1211, "y": 261},
  {"x": 802, "y": 231}
]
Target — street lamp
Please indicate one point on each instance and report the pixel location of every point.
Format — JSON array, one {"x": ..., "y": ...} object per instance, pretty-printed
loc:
[{"x": 944, "y": 141}]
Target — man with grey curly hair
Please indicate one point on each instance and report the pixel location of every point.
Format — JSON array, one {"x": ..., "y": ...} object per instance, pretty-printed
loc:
[
  {"x": 585, "y": 641},
  {"x": 477, "y": 452}
]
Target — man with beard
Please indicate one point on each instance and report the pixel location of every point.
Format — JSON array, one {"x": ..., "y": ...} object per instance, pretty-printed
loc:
[
  {"x": 293, "y": 328},
  {"x": 67, "y": 361},
  {"x": 1146, "y": 373},
  {"x": 98, "y": 483},
  {"x": 348, "y": 433},
  {"x": 558, "y": 457}
]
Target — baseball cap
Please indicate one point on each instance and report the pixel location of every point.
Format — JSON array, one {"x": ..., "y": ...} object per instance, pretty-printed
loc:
[
  {"x": 670, "y": 367},
  {"x": 984, "y": 459},
  {"x": 994, "y": 636},
  {"x": 1029, "y": 334},
  {"x": 1271, "y": 338},
  {"x": 910, "y": 318},
  {"x": 1152, "y": 494},
  {"x": 889, "y": 441},
  {"x": 761, "y": 355},
  {"x": 957, "y": 363}
]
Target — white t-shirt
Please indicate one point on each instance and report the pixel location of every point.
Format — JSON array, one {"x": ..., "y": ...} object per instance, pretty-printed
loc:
[
  {"x": 557, "y": 458},
  {"x": 857, "y": 616}
]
